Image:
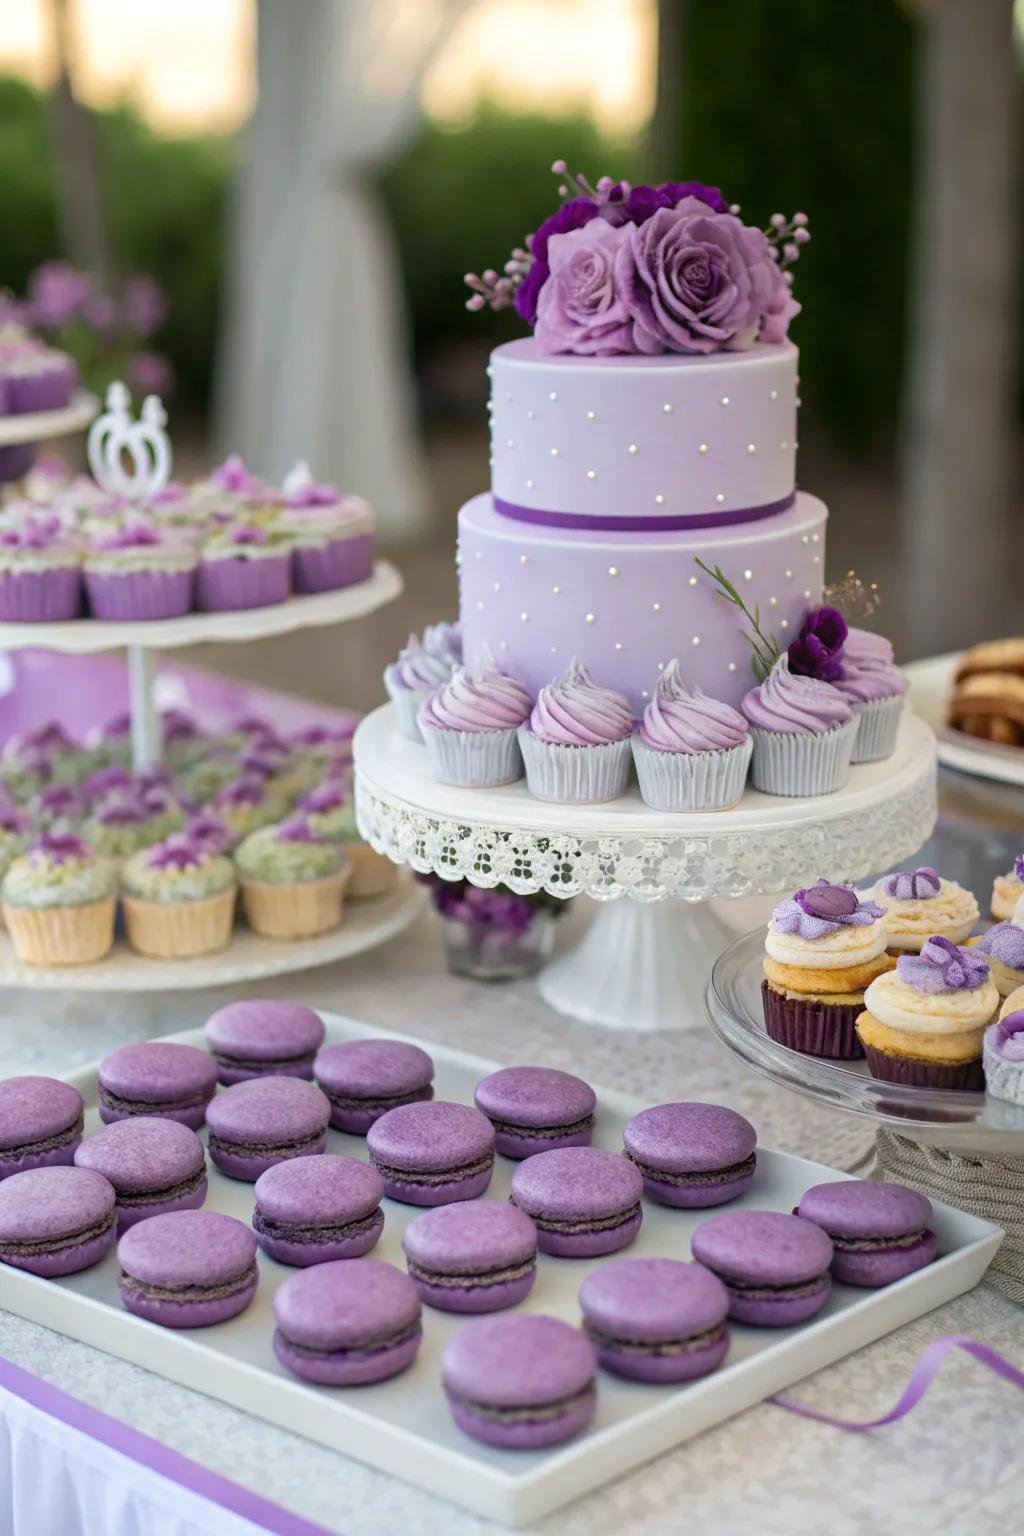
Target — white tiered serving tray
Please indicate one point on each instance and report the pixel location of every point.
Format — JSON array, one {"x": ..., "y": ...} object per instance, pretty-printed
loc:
[
  {"x": 40, "y": 426},
  {"x": 931, "y": 685},
  {"x": 402, "y": 1426},
  {"x": 643, "y": 963}
]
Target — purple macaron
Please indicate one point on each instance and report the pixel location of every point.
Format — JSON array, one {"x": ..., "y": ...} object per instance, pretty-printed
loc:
[
  {"x": 880, "y": 1232},
  {"x": 365, "y": 1078},
  {"x": 56, "y": 1220},
  {"x": 313, "y": 1210},
  {"x": 535, "y": 1109},
  {"x": 263, "y": 1121},
  {"x": 41, "y": 1122},
  {"x": 433, "y": 1153},
  {"x": 347, "y": 1324},
  {"x": 188, "y": 1269},
  {"x": 584, "y": 1201},
  {"x": 262, "y": 1037},
  {"x": 476, "y": 1256},
  {"x": 155, "y": 1166},
  {"x": 692, "y": 1155},
  {"x": 157, "y": 1077},
  {"x": 656, "y": 1319},
  {"x": 774, "y": 1266},
  {"x": 520, "y": 1382}
]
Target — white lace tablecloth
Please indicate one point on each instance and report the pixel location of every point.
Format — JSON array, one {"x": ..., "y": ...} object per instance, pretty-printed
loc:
[{"x": 954, "y": 1466}]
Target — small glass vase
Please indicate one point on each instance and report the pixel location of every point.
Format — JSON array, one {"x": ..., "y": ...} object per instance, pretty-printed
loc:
[{"x": 486, "y": 951}]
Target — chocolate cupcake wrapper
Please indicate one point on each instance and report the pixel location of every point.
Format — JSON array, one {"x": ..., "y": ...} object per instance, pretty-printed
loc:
[
  {"x": 799, "y": 764},
  {"x": 575, "y": 775},
  {"x": 812, "y": 1027},
  {"x": 238, "y": 583},
  {"x": 333, "y": 564},
  {"x": 961, "y": 1075},
  {"x": 878, "y": 724},
  {"x": 41, "y": 597},
  {"x": 135, "y": 595},
  {"x": 408, "y": 702},
  {"x": 691, "y": 781},
  {"x": 475, "y": 759}
]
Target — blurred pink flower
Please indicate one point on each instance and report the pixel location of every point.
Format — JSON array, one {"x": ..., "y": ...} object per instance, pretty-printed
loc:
[
  {"x": 56, "y": 293},
  {"x": 149, "y": 373},
  {"x": 145, "y": 305}
]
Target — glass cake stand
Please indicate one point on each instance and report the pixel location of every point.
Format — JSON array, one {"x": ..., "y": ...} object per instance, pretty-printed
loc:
[{"x": 643, "y": 962}]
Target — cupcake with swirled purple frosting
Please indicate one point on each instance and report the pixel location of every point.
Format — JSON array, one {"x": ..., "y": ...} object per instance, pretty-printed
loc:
[
  {"x": 413, "y": 677},
  {"x": 919, "y": 903},
  {"x": 576, "y": 744},
  {"x": 803, "y": 732},
  {"x": 874, "y": 688},
  {"x": 691, "y": 752},
  {"x": 470, "y": 727}
]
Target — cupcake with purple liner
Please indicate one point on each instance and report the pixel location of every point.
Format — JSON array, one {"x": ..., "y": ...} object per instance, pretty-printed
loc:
[
  {"x": 879, "y": 1232},
  {"x": 229, "y": 490},
  {"x": 923, "y": 1023},
  {"x": 332, "y": 535},
  {"x": 246, "y": 805},
  {"x": 159, "y": 1078},
  {"x": 470, "y": 726},
  {"x": 155, "y": 1166},
  {"x": 1003, "y": 947},
  {"x": 187, "y": 1269},
  {"x": 412, "y": 679},
  {"x": 58, "y": 902},
  {"x": 40, "y": 573},
  {"x": 919, "y": 903},
  {"x": 520, "y": 1382},
  {"x": 803, "y": 732},
  {"x": 41, "y": 1122},
  {"x": 243, "y": 565},
  {"x": 576, "y": 744},
  {"x": 691, "y": 752},
  {"x": 874, "y": 688},
  {"x": 178, "y": 899},
  {"x": 292, "y": 881},
  {"x": 823, "y": 947},
  {"x": 476, "y": 1256},
  {"x": 317, "y": 1210},
  {"x": 1002, "y": 1057},
  {"x": 139, "y": 573},
  {"x": 656, "y": 1319},
  {"x": 56, "y": 1221}
]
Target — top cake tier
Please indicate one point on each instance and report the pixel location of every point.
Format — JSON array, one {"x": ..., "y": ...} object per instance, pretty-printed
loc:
[{"x": 643, "y": 442}]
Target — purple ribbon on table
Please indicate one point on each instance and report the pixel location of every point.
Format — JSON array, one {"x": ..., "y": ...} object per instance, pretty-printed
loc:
[
  {"x": 921, "y": 1378},
  {"x": 671, "y": 524}
]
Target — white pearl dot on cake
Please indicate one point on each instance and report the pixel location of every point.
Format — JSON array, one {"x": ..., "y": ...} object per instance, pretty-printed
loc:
[
  {"x": 554, "y": 453},
  {"x": 479, "y": 555},
  {"x": 613, "y": 570},
  {"x": 556, "y": 590},
  {"x": 631, "y": 448},
  {"x": 552, "y": 395},
  {"x": 807, "y": 593},
  {"x": 773, "y": 394},
  {"x": 502, "y": 645},
  {"x": 725, "y": 399},
  {"x": 523, "y": 559},
  {"x": 748, "y": 575},
  {"x": 732, "y": 666},
  {"x": 774, "y": 602},
  {"x": 530, "y": 416},
  {"x": 554, "y": 650},
  {"x": 480, "y": 605},
  {"x": 659, "y": 500},
  {"x": 657, "y": 607},
  {"x": 591, "y": 474},
  {"x": 524, "y": 618},
  {"x": 804, "y": 539},
  {"x": 667, "y": 409},
  {"x": 693, "y": 581},
  {"x": 618, "y": 645},
  {"x": 529, "y": 485},
  {"x": 720, "y": 497},
  {"x": 509, "y": 443},
  {"x": 702, "y": 448},
  {"x": 661, "y": 666},
  {"x": 508, "y": 394},
  {"x": 789, "y": 575},
  {"x": 696, "y": 640},
  {"x": 751, "y": 447},
  {"x": 591, "y": 617},
  {"x": 784, "y": 624},
  {"x": 497, "y": 586},
  {"x": 783, "y": 446},
  {"x": 591, "y": 415},
  {"x": 815, "y": 538}
]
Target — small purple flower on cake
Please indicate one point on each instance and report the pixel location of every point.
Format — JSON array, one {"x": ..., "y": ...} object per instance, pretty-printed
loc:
[
  {"x": 247, "y": 533},
  {"x": 207, "y": 831},
  {"x": 177, "y": 852},
  {"x": 943, "y": 966},
  {"x": 818, "y": 649},
  {"x": 824, "y": 908},
  {"x": 136, "y": 535},
  {"x": 1007, "y": 1037},
  {"x": 233, "y": 477},
  {"x": 913, "y": 885},
  {"x": 34, "y": 533},
  {"x": 245, "y": 791},
  {"x": 106, "y": 781},
  {"x": 297, "y": 830},
  {"x": 59, "y": 848},
  {"x": 124, "y": 811},
  {"x": 57, "y": 800},
  {"x": 301, "y": 490},
  {"x": 1004, "y": 944},
  {"x": 328, "y": 796}
]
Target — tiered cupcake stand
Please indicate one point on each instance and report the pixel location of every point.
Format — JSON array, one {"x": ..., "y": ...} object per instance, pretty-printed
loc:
[
  {"x": 644, "y": 962},
  {"x": 25, "y": 429},
  {"x": 248, "y": 957}
]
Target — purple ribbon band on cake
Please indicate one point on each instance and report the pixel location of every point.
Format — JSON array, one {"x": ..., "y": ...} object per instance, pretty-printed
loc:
[{"x": 670, "y": 524}]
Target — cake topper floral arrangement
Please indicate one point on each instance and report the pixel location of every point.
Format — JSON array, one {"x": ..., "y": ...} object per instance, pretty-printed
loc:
[{"x": 672, "y": 268}]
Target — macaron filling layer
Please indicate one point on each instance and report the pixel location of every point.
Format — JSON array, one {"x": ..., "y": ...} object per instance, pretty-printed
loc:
[
  {"x": 263, "y": 1149},
  {"x": 27, "y": 1248},
  {"x": 878, "y": 1244},
  {"x": 46, "y": 1143},
  {"x": 376, "y": 1345},
  {"x": 177, "y": 1191},
  {"x": 114, "y": 1101},
  {"x": 433, "y": 1178},
  {"x": 628, "y": 1346},
  {"x": 378, "y": 1104},
  {"x": 762, "y": 1291},
  {"x": 183, "y": 1294},
  {"x": 541, "y": 1413},
  {"x": 326, "y": 1232},
  {"x": 704, "y": 1178},
  {"x": 475, "y": 1280},
  {"x": 276, "y": 1064},
  {"x": 543, "y": 1132},
  {"x": 569, "y": 1228}
]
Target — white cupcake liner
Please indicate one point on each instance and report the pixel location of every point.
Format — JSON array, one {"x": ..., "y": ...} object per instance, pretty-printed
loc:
[
  {"x": 691, "y": 781},
  {"x": 408, "y": 702},
  {"x": 575, "y": 775},
  {"x": 474, "y": 759},
  {"x": 1003, "y": 1079},
  {"x": 801, "y": 763},
  {"x": 878, "y": 723}
]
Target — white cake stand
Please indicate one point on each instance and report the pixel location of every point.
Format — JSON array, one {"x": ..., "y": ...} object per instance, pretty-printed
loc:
[
  {"x": 644, "y": 962},
  {"x": 41, "y": 426}
]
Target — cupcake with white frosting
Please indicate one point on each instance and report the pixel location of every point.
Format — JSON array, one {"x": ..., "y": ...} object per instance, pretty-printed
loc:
[
  {"x": 874, "y": 688},
  {"x": 823, "y": 947},
  {"x": 919, "y": 903},
  {"x": 470, "y": 727},
  {"x": 691, "y": 752},
  {"x": 923, "y": 1023},
  {"x": 576, "y": 744},
  {"x": 1003, "y": 947},
  {"x": 803, "y": 732},
  {"x": 1007, "y": 890},
  {"x": 410, "y": 681}
]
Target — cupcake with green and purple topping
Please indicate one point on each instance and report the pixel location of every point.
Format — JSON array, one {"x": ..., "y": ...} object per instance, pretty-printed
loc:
[
  {"x": 246, "y": 805},
  {"x": 471, "y": 724},
  {"x": 803, "y": 732},
  {"x": 209, "y": 831},
  {"x": 178, "y": 899},
  {"x": 125, "y": 822},
  {"x": 292, "y": 880},
  {"x": 25, "y": 769},
  {"x": 413, "y": 678},
  {"x": 58, "y": 902},
  {"x": 58, "y": 808},
  {"x": 245, "y": 564},
  {"x": 923, "y": 1023},
  {"x": 204, "y": 778},
  {"x": 15, "y": 835},
  {"x": 184, "y": 741},
  {"x": 329, "y": 810},
  {"x": 332, "y": 534},
  {"x": 138, "y": 573},
  {"x": 874, "y": 688},
  {"x": 576, "y": 744},
  {"x": 40, "y": 572},
  {"x": 691, "y": 752}
]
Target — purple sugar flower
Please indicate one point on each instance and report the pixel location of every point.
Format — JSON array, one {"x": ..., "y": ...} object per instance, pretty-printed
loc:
[
  {"x": 297, "y": 830},
  {"x": 232, "y": 476},
  {"x": 131, "y": 536},
  {"x": 60, "y": 847},
  {"x": 263, "y": 759},
  {"x": 581, "y": 308},
  {"x": 248, "y": 533},
  {"x": 249, "y": 791},
  {"x": 118, "y": 726},
  {"x": 177, "y": 852},
  {"x": 636, "y": 205},
  {"x": 123, "y": 811},
  {"x": 33, "y": 533},
  {"x": 572, "y": 214},
  {"x": 913, "y": 885},
  {"x": 943, "y": 966},
  {"x": 178, "y": 725},
  {"x": 1018, "y": 867},
  {"x": 818, "y": 649},
  {"x": 208, "y": 831},
  {"x": 59, "y": 800},
  {"x": 834, "y": 902},
  {"x": 327, "y": 796}
]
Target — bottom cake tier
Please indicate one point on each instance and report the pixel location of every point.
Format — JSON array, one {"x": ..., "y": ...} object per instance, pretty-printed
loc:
[{"x": 626, "y": 603}]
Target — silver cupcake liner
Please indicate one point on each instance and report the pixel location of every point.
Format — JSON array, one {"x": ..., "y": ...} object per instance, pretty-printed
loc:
[
  {"x": 408, "y": 702},
  {"x": 691, "y": 781},
  {"x": 801, "y": 763},
  {"x": 575, "y": 775},
  {"x": 474, "y": 759},
  {"x": 1003, "y": 1079},
  {"x": 878, "y": 724}
]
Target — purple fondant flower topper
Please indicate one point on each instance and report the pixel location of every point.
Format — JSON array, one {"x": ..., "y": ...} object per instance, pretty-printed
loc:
[
  {"x": 177, "y": 852},
  {"x": 824, "y": 908},
  {"x": 943, "y": 966},
  {"x": 913, "y": 885},
  {"x": 818, "y": 649},
  {"x": 1008, "y": 1036},
  {"x": 60, "y": 847},
  {"x": 297, "y": 830}
]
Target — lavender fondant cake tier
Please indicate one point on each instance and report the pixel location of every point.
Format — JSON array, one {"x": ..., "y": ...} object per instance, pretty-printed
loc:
[
  {"x": 642, "y": 440},
  {"x": 627, "y": 602}
]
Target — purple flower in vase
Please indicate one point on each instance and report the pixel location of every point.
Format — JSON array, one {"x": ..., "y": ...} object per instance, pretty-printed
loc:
[{"x": 818, "y": 649}]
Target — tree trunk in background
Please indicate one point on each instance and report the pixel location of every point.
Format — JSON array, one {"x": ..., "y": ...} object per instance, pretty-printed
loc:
[
  {"x": 664, "y": 133},
  {"x": 959, "y": 435},
  {"x": 79, "y": 200}
]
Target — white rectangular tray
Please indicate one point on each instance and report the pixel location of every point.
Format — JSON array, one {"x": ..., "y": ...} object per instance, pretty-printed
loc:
[{"x": 402, "y": 1426}]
